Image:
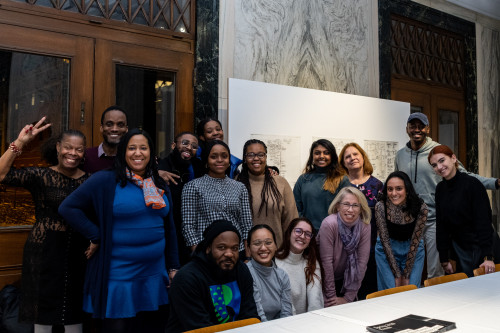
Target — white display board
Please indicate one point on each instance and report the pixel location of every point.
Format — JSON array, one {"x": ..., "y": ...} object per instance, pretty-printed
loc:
[{"x": 289, "y": 119}]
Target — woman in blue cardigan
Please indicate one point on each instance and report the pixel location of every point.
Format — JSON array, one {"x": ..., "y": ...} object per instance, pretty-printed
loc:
[{"x": 126, "y": 214}]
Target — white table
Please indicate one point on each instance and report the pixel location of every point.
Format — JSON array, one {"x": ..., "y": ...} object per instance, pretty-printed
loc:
[{"x": 473, "y": 304}]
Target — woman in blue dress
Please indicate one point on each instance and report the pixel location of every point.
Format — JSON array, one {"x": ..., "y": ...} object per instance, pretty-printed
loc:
[{"x": 126, "y": 215}]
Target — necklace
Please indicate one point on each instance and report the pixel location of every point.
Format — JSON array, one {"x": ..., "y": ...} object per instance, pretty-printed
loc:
[{"x": 358, "y": 181}]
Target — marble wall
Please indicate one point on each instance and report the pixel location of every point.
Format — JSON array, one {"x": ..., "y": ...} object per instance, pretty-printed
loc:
[
  {"x": 207, "y": 60},
  {"x": 489, "y": 104},
  {"x": 334, "y": 45},
  {"x": 318, "y": 44}
]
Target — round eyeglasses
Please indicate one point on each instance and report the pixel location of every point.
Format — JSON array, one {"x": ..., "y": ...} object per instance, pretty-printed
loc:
[
  {"x": 299, "y": 231},
  {"x": 186, "y": 143}
]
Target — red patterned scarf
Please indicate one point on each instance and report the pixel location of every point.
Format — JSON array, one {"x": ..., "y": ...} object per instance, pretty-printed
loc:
[{"x": 153, "y": 196}]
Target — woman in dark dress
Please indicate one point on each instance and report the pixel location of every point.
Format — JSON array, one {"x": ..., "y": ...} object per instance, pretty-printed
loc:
[{"x": 53, "y": 259}]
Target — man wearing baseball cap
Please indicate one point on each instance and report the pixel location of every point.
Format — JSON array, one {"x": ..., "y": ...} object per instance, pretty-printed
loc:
[{"x": 412, "y": 159}]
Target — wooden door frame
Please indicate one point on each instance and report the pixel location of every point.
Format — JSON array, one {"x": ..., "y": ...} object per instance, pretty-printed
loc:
[
  {"x": 111, "y": 53},
  {"x": 78, "y": 49},
  {"x": 440, "y": 19},
  {"x": 113, "y": 35},
  {"x": 80, "y": 52},
  {"x": 45, "y": 31}
]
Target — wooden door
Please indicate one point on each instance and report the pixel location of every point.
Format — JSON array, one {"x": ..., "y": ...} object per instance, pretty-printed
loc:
[
  {"x": 94, "y": 53},
  {"x": 126, "y": 75},
  {"x": 30, "y": 89}
]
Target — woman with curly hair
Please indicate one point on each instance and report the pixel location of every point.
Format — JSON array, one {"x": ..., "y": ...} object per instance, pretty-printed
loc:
[
  {"x": 271, "y": 197},
  {"x": 401, "y": 217},
  {"x": 320, "y": 182},
  {"x": 298, "y": 256}
]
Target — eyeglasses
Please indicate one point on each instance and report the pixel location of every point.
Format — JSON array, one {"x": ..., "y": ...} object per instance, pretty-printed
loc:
[
  {"x": 300, "y": 231},
  {"x": 346, "y": 206},
  {"x": 251, "y": 156},
  {"x": 186, "y": 143},
  {"x": 267, "y": 243}
]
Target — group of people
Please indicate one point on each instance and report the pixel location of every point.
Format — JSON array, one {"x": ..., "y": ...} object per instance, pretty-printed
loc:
[{"x": 202, "y": 237}]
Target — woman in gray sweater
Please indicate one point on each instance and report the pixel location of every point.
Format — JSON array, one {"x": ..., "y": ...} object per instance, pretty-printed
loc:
[{"x": 271, "y": 285}]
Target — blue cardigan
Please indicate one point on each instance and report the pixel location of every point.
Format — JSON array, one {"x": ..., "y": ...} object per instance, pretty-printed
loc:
[{"x": 89, "y": 210}]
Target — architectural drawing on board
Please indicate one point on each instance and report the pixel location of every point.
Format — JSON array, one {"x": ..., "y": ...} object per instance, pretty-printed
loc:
[
  {"x": 382, "y": 155},
  {"x": 283, "y": 152},
  {"x": 338, "y": 143}
]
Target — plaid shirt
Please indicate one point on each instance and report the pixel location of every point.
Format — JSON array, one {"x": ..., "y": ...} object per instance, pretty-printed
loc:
[{"x": 207, "y": 199}]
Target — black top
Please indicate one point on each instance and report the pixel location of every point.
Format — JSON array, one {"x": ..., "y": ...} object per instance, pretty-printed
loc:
[
  {"x": 202, "y": 295},
  {"x": 463, "y": 214},
  {"x": 53, "y": 258},
  {"x": 175, "y": 164}
]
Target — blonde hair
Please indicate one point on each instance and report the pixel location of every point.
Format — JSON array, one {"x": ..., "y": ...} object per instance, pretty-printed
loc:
[{"x": 365, "y": 212}]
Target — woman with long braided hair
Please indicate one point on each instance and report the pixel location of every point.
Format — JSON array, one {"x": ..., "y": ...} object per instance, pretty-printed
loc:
[{"x": 271, "y": 197}]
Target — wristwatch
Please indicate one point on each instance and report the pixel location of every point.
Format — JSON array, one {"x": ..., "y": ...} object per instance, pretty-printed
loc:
[{"x": 489, "y": 258}]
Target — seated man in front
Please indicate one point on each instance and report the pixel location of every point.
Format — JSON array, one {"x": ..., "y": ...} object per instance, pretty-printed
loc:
[{"x": 214, "y": 287}]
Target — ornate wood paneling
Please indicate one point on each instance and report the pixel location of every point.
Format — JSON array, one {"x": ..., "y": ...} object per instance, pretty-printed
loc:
[
  {"x": 424, "y": 52},
  {"x": 174, "y": 15}
]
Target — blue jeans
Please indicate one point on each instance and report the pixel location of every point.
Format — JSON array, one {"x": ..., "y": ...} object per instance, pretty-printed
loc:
[{"x": 400, "y": 249}]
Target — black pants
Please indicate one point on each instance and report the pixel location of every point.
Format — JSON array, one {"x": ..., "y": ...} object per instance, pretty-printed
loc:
[{"x": 147, "y": 321}]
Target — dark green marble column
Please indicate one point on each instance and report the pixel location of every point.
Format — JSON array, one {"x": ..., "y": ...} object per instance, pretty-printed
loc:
[{"x": 207, "y": 60}]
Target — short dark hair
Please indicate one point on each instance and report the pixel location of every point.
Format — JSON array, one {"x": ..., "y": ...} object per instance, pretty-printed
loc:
[
  {"x": 200, "y": 129},
  {"x": 114, "y": 108},
  {"x": 183, "y": 133},
  {"x": 206, "y": 151},
  {"x": 49, "y": 149}
]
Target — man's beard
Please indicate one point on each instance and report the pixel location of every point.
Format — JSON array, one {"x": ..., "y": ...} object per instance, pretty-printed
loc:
[
  {"x": 218, "y": 271},
  {"x": 179, "y": 160}
]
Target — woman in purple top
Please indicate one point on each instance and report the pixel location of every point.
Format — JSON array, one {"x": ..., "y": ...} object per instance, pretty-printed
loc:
[
  {"x": 344, "y": 246},
  {"x": 355, "y": 162}
]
